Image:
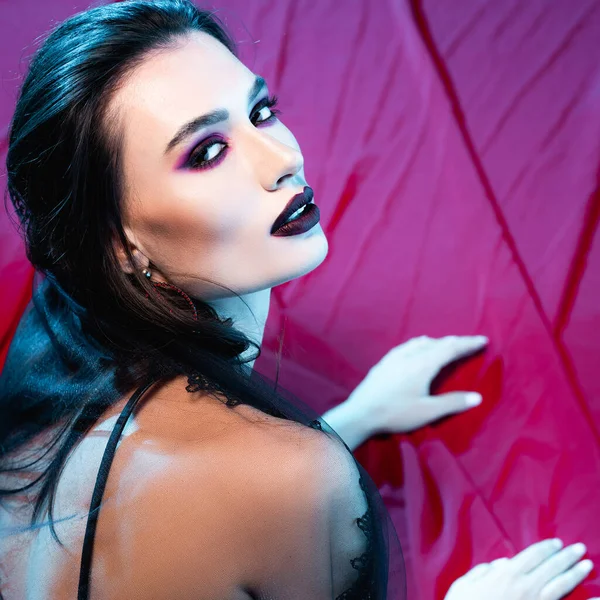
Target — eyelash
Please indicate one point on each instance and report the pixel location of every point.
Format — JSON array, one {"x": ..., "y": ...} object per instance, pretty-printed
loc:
[{"x": 198, "y": 151}]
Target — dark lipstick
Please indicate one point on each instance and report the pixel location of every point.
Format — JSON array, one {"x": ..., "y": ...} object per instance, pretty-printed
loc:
[{"x": 304, "y": 221}]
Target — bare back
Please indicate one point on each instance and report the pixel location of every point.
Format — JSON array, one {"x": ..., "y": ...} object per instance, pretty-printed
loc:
[
  {"x": 177, "y": 447},
  {"x": 194, "y": 482}
]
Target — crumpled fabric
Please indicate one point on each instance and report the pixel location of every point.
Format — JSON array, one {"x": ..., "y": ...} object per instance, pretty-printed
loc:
[{"x": 454, "y": 150}]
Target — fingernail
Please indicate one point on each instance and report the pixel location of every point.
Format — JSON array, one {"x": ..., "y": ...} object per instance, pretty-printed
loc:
[
  {"x": 473, "y": 399},
  {"x": 586, "y": 565},
  {"x": 558, "y": 543},
  {"x": 579, "y": 548},
  {"x": 481, "y": 338}
]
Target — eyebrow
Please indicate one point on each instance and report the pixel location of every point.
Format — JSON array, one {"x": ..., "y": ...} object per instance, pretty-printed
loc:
[{"x": 211, "y": 118}]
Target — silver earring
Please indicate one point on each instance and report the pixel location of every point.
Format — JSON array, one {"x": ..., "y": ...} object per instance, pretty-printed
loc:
[{"x": 147, "y": 273}]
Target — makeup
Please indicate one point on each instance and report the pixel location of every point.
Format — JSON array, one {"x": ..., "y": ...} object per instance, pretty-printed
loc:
[
  {"x": 300, "y": 215},
  {"x": 191, "y": 158}
]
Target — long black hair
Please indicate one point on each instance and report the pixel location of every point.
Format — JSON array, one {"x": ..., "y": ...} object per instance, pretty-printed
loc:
[{"x": 92, "y": 331}]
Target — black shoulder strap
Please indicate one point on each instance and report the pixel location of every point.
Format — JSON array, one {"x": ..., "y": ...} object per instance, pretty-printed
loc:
[{"x": 107, "y": 458}]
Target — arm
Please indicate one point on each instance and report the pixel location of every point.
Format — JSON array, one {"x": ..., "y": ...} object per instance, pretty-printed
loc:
[
  {"x": 395, "y": 396},
  {"x": 352, "y": 422}
]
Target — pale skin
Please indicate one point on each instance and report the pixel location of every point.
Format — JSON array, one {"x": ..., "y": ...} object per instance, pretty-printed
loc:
[{"x": 209, "y": 230}]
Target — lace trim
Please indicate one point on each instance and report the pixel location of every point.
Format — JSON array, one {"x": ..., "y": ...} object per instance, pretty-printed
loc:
[
  {"x": 362, "y": 588},
  {"x": 199, "y": 383},
  {"x": 316, "y": 424}
]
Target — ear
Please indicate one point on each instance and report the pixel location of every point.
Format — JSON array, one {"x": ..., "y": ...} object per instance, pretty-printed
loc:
[{"x": 140, "y": 260}]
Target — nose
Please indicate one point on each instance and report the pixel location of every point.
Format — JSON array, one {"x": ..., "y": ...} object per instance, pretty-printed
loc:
[{"x": 277, "y": 161}]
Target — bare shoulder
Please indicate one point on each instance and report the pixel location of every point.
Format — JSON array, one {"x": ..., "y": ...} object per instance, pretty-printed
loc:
[
  {"x": 230, "y": 509},
  {"x": 202, "y": 500}
]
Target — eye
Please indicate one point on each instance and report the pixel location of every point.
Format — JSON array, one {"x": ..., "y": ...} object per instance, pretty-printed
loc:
[
  {"x": 265, "y": 110},
  {"x": 207, "y": 154},
  {"x": 213, "y": 150}
]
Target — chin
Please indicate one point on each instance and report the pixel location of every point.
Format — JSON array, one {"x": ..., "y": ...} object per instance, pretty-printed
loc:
[{"x": 311, "y": 258}]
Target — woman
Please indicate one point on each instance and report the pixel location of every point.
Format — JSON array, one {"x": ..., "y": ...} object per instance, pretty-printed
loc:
[{"x": 162, "y": 198}]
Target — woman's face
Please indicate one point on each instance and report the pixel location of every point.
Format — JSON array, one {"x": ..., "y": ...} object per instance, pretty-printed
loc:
[{"x": 204, "y": 207}]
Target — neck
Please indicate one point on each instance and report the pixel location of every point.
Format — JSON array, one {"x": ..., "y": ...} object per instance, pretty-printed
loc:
[{"x": 248, "y": 312}]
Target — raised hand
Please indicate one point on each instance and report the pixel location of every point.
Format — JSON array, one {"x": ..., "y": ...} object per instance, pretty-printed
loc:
[
  {"x": 543, "y": 571},
  {"x": 395, "y": 392}
]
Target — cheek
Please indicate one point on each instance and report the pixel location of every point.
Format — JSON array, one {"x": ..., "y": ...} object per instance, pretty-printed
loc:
[
  {"x": 194, "y": 222},
  {"x": 198, "y": 224}
]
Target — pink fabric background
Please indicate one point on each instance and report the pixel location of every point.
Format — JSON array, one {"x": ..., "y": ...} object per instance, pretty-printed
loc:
[{"x": 454, "y": 149}]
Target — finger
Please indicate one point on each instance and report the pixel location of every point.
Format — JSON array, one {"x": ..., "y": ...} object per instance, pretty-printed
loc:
[
  {"x": 556, "y": 565},
  {"x": 564, "y": 583},
  {"x": 478, "y": 571},
  {"x": 454, "y": 347},
  {"x": 415, "y": 343},
  {"x": 451, "y": 403},
  {"x": 533, "y": 556}
]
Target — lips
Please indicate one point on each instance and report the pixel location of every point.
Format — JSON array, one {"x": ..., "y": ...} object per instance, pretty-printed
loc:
[{"x": 297, "y": 202}]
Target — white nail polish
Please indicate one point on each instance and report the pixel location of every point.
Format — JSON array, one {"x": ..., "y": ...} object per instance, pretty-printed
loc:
[
  {"x": 586, "y": 565},
  {"x": 473, "y": 399}
]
